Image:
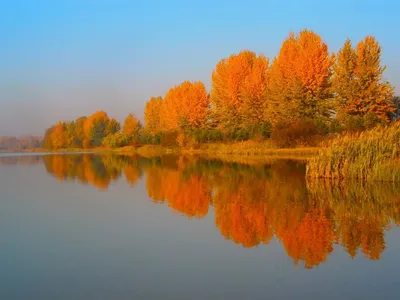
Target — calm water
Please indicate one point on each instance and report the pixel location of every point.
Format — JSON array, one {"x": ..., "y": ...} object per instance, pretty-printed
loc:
[{"x": 89, "y": 226}]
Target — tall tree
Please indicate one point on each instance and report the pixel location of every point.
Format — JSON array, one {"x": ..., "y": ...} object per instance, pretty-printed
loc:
[
  {"x": 300, "y": 79},
  {"x": 185, "y": 105},
  {"x": 374, "y": 95},
  {"x": 358, "y": 81},
  {"x": 343, "y": 81},
  {"x": 238, "y": 89}
]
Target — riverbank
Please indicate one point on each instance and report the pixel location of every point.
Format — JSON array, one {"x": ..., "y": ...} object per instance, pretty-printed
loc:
[
  {"x": 256, "y": 150},
  {"x": 369, "y": 155}
]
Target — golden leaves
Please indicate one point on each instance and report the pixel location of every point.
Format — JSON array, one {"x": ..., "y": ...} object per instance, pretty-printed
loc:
[{"x": 239, "y": 86}]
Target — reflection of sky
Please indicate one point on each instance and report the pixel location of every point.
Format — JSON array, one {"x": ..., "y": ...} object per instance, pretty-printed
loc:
[
  {"x": 64, "y": 59},
  {"x": 70, "y": 241}
]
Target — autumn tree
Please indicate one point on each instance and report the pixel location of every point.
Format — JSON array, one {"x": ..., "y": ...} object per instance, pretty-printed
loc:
[
  {"x": 152, "y": 115},
  {"x": 47, "y": 142},
  {"x": 58, "y": 136},
  {"x": 79, "y": 131},
  {"x": 238, "y": 93},
  {"x": 132, "y": 127},
  {"x": 96, "y": 127},
  {"x": 300, "y": 75},
  {"x": 185, "y": 105},
  {"x": 113, "y": 126},
  {"x": 358, "y": 83},
  {"x": 374, "y": 95}
]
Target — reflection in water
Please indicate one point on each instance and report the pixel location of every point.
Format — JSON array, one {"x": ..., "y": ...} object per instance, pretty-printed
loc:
[{"x": 252, "y": 203}]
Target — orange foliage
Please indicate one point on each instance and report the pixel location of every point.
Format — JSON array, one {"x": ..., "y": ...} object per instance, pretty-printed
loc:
[
  {"x": 239, "y": 88},
  {"x": 300, "y": 78},
  {"x": 185, "y": 105},
  {"x": 152, "y": 115}
]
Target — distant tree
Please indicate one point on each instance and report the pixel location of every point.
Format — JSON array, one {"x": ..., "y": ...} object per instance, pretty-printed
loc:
[
  {"x": 132, "y": 127},
  {"x": 152, "y": 115},
  {"x": 113, "y": 126},
  {"x": 59, "y": 136},
  {"x": 115, "y": 140},
  {"x": 96, "y": 128}
]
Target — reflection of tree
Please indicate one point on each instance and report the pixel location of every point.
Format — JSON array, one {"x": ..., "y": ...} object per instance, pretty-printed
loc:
[
  {"x": 255, "y": 203},
  {"x": 97, "y": 170},
  {"x": 311, "y": 239},
  {"x": 362, "y": 212},
  {"x": 187, "y": 194}
]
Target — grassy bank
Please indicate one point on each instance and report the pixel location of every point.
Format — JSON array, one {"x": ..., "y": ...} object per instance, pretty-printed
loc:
[
  {"x": 249, "y": 149},
  {"x": 370, "y": 155}
]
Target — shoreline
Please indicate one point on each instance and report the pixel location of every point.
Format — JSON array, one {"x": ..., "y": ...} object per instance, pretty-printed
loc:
[{"x": 237, "y": 151}]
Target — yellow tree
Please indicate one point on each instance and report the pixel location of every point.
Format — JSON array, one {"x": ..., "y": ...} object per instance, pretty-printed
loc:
[
  {"x": 131, "y": 127},
  {"x": 152, "y": 115},
  {"x": 343, "y": 81},
  {"x": 95, "y": 127},
  {"x": 374, "y": 95},
  {"x": 300, "y": 79},
  {"x": 185, "y": 105},
  {"x": 169, "y": 118},
  {"x": 358, "y": 84},
  {"x": 192, "y": 104},
  {"x": 58, "y": 136},
  {"x": 238, "y": 90}
]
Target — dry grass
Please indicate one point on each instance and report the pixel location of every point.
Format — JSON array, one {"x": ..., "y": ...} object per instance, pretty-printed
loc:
[
  {"x": 370, "y": 155},
  {"x": 251, "y": 148}
]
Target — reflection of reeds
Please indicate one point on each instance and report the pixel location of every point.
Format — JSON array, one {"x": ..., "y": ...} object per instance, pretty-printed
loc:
[
  {"x": 375, "y": 199},
  {"x": 370, "y": 155}
]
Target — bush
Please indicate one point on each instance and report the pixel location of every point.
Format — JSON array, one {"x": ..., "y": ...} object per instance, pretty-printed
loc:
[
  {"x": 302, "y": 132},
  {"x": 169, "y": 139},
  {"x": 86, "y": 144},
  {"x": 116, "y": 140},
  {"x": 149, "y": 139}
]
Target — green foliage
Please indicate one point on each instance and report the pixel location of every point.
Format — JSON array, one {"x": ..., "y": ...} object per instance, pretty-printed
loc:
[{"x": 98, "y": 132}]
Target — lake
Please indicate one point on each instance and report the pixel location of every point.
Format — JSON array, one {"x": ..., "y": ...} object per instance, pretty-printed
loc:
[{"x": 91, "y": 226}]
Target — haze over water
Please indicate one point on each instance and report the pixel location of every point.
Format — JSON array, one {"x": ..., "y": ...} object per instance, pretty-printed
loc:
[{"x": 86, "y": 226}]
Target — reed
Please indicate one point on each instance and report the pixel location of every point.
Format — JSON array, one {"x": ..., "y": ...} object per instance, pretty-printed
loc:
[{"x": 369, "y": 155}]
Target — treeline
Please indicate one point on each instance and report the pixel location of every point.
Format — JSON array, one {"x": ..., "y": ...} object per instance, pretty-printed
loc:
[
  {"x": 304, "y": 92},
  {"x": 96, "y": 130},
  {"x": 12, "y": 143}
]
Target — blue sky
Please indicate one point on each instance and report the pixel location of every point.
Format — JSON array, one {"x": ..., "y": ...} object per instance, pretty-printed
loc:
[{"x": 63, "y": 59}]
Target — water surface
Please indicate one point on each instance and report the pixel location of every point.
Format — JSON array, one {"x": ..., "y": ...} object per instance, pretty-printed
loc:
[{"x": 87, "y": 226}]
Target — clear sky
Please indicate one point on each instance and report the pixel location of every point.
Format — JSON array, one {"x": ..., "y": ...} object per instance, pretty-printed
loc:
[{"x": 63, "y": 59}]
